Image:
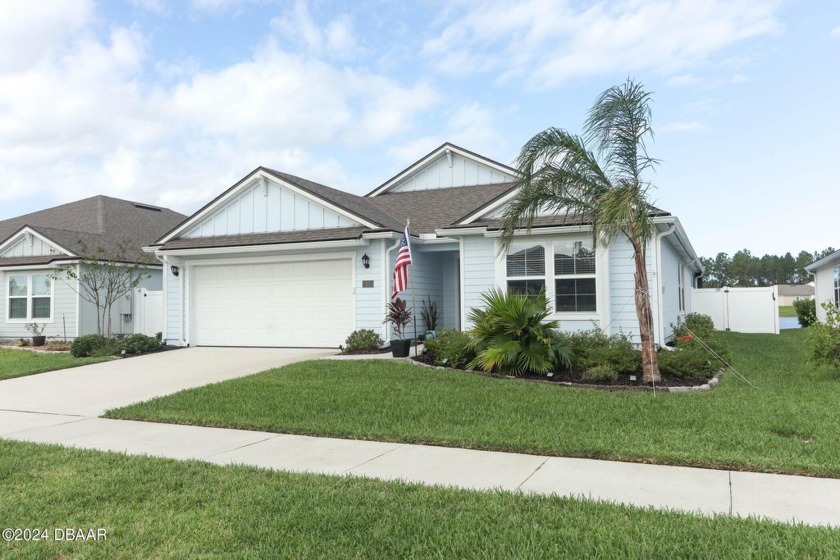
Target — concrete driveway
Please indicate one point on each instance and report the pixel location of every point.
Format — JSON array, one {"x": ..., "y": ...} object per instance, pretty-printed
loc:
[{"x": 91, "y": 390}]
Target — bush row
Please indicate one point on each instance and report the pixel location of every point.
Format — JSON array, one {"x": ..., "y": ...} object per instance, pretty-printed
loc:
[{"x": 96, "y": 345}]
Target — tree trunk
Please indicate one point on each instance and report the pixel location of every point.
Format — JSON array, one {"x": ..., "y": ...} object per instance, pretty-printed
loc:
[{"x": 650, "y": 362}]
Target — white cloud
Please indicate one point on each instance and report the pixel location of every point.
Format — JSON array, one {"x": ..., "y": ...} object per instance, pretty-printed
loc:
[
  {"x": 683, "y": 80},
  {"x": 835, "y": 33},
  {"x": 335, "y": 38},
  {"x": 680, "y": 126},
  {"x": 548, "y": 42},
  {"x": 82, "y": 118}
]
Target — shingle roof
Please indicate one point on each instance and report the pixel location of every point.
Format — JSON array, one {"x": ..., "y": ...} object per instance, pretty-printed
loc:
[{"x": 95, "y": 221}]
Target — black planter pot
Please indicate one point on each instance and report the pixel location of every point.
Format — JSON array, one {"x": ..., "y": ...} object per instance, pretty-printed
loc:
[
  {"x": 400, "y": 348},
  {"x": 39, "y": 340}
]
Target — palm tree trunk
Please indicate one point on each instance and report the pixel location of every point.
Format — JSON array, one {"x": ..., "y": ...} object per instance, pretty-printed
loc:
[{"x": 650, "y": 363}]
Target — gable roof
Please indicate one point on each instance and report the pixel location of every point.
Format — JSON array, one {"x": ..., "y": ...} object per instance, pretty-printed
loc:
[
  {"x": 95, "y": 221},
  {"x": 433, "y": 155}
]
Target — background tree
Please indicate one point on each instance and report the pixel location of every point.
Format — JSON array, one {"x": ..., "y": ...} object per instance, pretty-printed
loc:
[
  {"x": 105, "y": 275},
  {"x": 561, "y": 175},
  {"x": 746, "y": 269}
]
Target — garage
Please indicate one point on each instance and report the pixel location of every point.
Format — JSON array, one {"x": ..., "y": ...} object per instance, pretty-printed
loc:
[{"x": 295, "y": 304}]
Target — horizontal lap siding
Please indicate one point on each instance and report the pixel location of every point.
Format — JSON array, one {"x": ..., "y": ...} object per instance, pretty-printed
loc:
[
  {"x": 369, "y": 301},
  {"x": 479, "y": 272},
  {"x": 622, "y": 287},
  {"x": 64, "y": 309},
  {"x": 172, "y": 317}
]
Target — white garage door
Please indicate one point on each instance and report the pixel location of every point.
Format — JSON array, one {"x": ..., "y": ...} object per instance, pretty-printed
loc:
[{"x": 305, "y": 304}]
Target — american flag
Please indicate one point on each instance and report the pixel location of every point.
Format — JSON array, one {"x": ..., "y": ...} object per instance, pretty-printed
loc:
[{"x": 401, "y": 266}]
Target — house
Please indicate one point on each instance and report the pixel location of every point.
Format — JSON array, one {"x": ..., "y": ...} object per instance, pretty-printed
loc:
[
  {"x": 788, "y": 293},
  {"x": 33, "y": 246},
  {"x": 277, "y": 260},
  {"x": 826, "y": 272}
]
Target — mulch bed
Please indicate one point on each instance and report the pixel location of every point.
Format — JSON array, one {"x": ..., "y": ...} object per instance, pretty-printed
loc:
[{"x": 574, "y": 379}]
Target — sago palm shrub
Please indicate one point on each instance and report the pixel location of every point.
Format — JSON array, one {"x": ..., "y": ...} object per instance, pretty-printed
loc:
[{"x": 513, "y": 335}]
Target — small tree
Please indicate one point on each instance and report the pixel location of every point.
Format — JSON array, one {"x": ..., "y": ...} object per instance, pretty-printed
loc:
[{"x": 105, "y": 275}]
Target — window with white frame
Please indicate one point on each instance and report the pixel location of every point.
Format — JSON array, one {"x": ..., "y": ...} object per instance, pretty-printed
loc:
[
  {"x": 681, "y": 285},
  {"x": 30, "y": 297},
  {"x": 526, "y": 269},
  {"x": 568, "y": 278},
  {"x": 837, "y": 286},
  {"x": 574, "y": 275}
]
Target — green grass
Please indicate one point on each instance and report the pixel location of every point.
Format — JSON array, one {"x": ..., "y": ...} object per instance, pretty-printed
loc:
[
  {"x": 787, "y": 311},
  {"x": 788, "y": 423},
  {"x": 17, "y": 363},
  {"x": 161, "y": 508}
]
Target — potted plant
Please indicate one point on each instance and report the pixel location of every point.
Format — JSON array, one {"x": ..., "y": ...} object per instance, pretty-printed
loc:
[
  {"x": 399, "y": 315},
  {"x": 37, "y": 330},
  {"x": 430, "y": 317}
]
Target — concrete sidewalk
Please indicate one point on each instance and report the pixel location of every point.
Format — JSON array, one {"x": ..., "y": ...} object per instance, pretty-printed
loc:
[{"x": 782, "y": 498}]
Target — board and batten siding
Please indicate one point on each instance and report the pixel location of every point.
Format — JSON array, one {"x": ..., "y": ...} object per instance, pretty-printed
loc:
[
  {"x": 29, "y": 246},
  {"x": 64, "y": 309},
  {"x": 270, "y": 208},
  {"x": 439, "y": 174}
]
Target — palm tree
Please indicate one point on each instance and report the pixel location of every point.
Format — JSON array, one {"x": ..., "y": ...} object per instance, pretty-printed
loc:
[{"x": 603, "y": 187}]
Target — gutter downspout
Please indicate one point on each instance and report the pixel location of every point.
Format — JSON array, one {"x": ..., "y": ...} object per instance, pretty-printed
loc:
[
  {"x": 660, "y": 331},
  {"x": 385, "y": 266}
]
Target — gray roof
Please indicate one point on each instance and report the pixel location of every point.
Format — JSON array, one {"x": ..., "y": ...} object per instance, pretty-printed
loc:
[
  {"x": 796, "y": 290},
  {"x": 99, "y": 221}
]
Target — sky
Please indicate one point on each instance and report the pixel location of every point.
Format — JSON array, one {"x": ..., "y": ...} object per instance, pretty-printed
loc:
[{"x": 171, "y": 103}]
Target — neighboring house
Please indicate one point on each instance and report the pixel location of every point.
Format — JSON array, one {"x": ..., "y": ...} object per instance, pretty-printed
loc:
[
  {"x": 788, "y": 293},
  {"x": 826, "y": 272},
  {"x": 33, "y": 246},
  {"x": 277, "y": 260}
]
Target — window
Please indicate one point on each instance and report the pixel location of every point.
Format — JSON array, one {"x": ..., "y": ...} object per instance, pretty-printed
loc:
[
  {"x": 30, "y": 297},
  {"x": 837, "y": 286},
  {"x": 568, "y": 278},
  {"x": 681, "y": 285},
  {"x": 574, "y": 275},
  {"x": 526, "y": 269}
]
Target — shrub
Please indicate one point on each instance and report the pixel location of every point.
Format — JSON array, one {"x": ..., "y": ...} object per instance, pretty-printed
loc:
[
  {"x": 689, "y": 361},
  {"x": 362, "y": 341},
  {"x": 697, "y": 324},
  {"x": 824, "y": 339},
  {"x": 806, "y": 311},
  {"x": 512, "y": 335},
  {"x": 451, "y": 348},
  {"x": 91, "y": 345},
  {"x": 602, "y": 372},
  {"x": 135, "y": 344},
  {"x": 593, "y": 348}
]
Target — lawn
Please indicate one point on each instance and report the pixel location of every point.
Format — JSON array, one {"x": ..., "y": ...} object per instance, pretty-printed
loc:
[
  {"x": 787, "y": 422},
  {"x": 156, "y": 508},
  {"x": 17, "y": 363},
  {"x": 787, "y": 311}
]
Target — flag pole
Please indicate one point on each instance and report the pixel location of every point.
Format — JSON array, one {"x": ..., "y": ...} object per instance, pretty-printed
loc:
[{"x": 413, "y": 303}]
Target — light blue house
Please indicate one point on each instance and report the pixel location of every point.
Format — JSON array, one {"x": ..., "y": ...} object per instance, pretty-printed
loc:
[
  {"x": 277, "y": 260},
  {"x": 33, "y": 248},
  {"x": 826, "y": 272}
]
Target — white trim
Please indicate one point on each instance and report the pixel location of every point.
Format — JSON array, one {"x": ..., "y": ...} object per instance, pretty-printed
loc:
[
  {"x": 553, "y": 230},
  {"x": 417, "y": 166},
  {"x": 443, "y": 232},
  {"x": 249, "y": 181},
  {"x": 244, "y": 249},
  {"x": 78, "y": 292},
  {"x": 825, "y": 261},
  {"x": 382, "y": 235},
  {"x": 29, "y": 297},
  {"x": 26, "y": 229},
  {"x": 492, "y": 207},
  {"x": 462, "y": 320}
]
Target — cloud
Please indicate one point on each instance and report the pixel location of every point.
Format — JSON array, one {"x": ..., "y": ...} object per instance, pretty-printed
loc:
[
  {"x": 835, "y": 33},
  {"x": 335, "y": 38},
  {"x": 548, "y": 42},
  {"x": 682, "y": 80},
  {"x": 91, "y": 113},
  {"x": 680, "y": 126}
]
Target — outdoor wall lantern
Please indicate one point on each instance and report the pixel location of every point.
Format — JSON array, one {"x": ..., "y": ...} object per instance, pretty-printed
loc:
[
  {"x": 366, "y": 260},
  {"x": 175, "y": 270}
]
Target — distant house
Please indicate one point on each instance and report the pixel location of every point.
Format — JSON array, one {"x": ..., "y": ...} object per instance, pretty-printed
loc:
[
  {"x": 826, "y": 273},
  {"x": 277, "y": 260},
  {"x": 790, "y": 292},
  {"x": 33, "y": 246}
]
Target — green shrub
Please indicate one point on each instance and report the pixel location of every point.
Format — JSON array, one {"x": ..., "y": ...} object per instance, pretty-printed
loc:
[
  {"x": 135, "y": 344},
  {"x": 697, "y": 324},
  {"x": 824, "y": 339},
  {"x": 593, "y": 348},
  {"x": 513, "y": 336},
  {"x": 689, "y": 361},
  {"x": 94, "y": 345},
  {"x": 602, "y": 372},
  {"x": 806, "y": 311},
  {"x": 362, "y": 341},
  {"x": 451, "y": 348}
]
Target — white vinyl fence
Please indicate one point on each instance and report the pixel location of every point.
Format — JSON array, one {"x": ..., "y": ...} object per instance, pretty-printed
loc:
[
  {"x": 747, "y": 310},
  {"x": 149, "y": 311}
]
